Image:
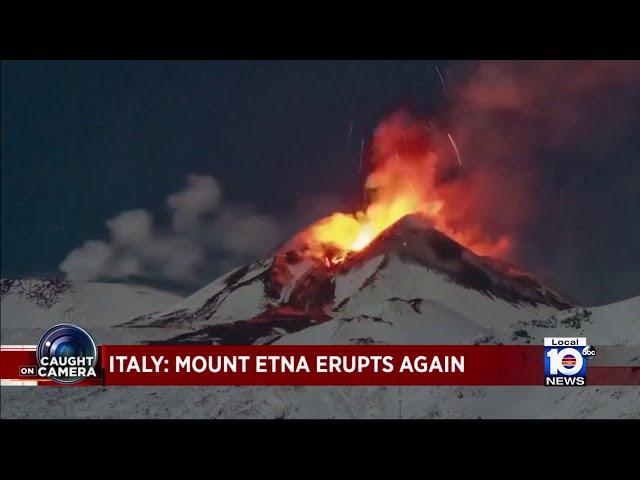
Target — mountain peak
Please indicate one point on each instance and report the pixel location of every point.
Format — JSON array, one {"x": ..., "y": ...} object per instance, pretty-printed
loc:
[
  {"x": 414, "y": 240},
  {"x": 410, "y": 262}
]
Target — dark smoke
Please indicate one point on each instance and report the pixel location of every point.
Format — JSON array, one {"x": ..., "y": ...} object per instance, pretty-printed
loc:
[{"x": 544, "y": 134}]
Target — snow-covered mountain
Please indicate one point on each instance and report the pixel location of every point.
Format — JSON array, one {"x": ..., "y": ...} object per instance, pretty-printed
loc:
[
  {"x": 615, "y": 325},
  {"x": 412, "y": 284},
  {"x": 29, "y": 306}
]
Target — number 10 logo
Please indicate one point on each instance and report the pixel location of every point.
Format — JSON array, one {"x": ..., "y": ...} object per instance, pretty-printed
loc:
[
  {"x": 564, "y": 364},
  {"x": 567, "y": 361}
]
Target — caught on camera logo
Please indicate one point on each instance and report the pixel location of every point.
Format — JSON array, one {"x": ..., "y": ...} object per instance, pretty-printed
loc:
[
  {"x": 66, "y": 354},
  {"x": 565, "y": 361}
]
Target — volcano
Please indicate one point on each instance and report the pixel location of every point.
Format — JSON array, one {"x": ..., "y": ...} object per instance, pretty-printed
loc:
[
  {"x": 417, "y": 263},
  {"x": 411, "y": 284}
]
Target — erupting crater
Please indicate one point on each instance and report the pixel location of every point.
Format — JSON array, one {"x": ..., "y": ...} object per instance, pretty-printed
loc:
[{"x": 405, "y": 177}]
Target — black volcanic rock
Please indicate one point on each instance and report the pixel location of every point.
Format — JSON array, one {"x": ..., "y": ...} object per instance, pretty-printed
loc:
[{"x": 43, "y": 292}]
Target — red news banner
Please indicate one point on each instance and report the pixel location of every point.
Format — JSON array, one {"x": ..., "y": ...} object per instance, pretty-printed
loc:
[
  {"x": 325, "y": 365},
  {"x": 485, "y": 365}
]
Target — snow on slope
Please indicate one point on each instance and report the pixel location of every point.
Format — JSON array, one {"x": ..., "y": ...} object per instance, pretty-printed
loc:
[
  {"x": 350, "y": 402},
  {"x": 601, "y": 325},
  {"x": 410, "y": 304},
  {"x": 411, "y": 286},
  {"x": 244, "y": 300},
  {"x": 31, "y": 305},
  {"x": 412, "y": 283},
  {"x": 617, "y": 324}
]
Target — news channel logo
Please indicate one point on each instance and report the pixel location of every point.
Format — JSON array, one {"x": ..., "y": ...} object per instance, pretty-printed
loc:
[
  {"x": 565, "y": 361},
  {"x": 67, "y": 354}
]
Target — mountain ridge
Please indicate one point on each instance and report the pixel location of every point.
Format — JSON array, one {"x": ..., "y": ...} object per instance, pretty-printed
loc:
[{"x": 288, "y": 291}]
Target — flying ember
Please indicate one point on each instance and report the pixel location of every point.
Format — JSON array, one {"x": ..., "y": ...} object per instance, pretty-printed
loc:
[{"x": 406, "y": 177}]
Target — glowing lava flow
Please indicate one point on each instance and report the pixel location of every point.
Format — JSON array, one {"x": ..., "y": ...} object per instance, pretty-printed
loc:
[
  {"x": 403, "y": 181},
  {"x": 353, "y": 232}
]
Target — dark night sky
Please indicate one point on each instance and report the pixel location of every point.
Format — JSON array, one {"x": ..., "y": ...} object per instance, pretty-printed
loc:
[{"x": 82, "y": 141}]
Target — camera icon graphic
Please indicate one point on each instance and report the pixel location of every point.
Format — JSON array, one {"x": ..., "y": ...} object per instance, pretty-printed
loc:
[{"x": 67, "y": 354}]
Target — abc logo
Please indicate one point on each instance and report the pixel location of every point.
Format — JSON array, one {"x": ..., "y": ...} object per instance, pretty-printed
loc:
[{"x": 588, "y": 352}]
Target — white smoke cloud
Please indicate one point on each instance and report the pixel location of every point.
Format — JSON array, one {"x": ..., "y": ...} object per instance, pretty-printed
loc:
[
  {"x": 201, "y": 196},
  {"x": 204, "y": 238},
  {"x": 88, "y": 261},
  {"x": 131, "y": 228}
]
